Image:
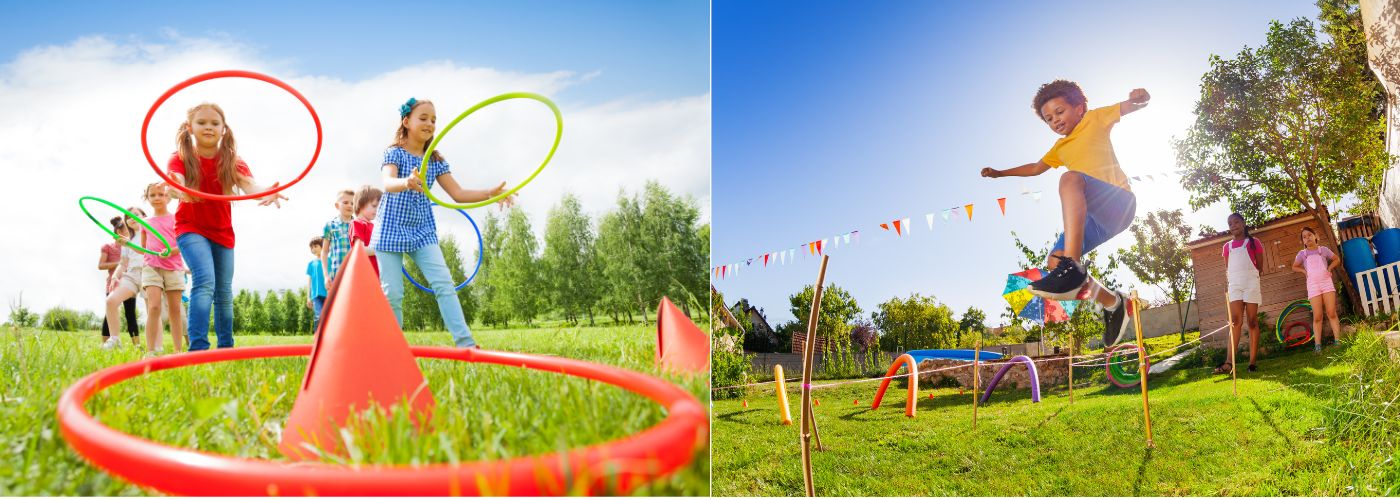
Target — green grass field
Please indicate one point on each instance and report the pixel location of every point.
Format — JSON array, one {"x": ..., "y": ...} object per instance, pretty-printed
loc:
[
  {"x": 483, "y": 412},
  {"x": 1271, "y": 440}
]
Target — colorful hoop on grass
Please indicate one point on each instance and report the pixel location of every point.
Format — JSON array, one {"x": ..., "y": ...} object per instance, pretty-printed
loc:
[
  {"x": 428, "y": 154},
  {"x": 1123, "y": 374},
  {"x": 1287, "y": 310},
  {"x": 480, "y": 256},
  {"x": 622, "y": 464},
  {"x": 146, "y": 125},
  {"x": 128, "y": 213}
]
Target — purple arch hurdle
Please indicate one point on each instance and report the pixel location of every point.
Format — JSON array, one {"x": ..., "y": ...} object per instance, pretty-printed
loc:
[{"x": 1035, "y": 378}]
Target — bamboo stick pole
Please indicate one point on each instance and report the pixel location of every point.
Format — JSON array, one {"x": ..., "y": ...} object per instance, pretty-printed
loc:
[
  {"x": 1234, "y": 345},
  {"x": 809, "y": 422},
  {"x": 976, "y": 373},
  {"x": 1071, "y": 370},
  {"x": 1142, "y": 368}
]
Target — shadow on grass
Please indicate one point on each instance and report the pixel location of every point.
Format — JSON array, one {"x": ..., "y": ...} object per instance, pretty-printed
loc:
[
  {"x": 1052, "y": 416},
  {"x": 730, "y": 417},
  {"x": 1269, "y": 419},
  {"x": 1142, "y": 471}
]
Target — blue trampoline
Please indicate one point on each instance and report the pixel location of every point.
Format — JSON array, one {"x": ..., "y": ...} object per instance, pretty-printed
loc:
[{"x": 955, "y": 354}]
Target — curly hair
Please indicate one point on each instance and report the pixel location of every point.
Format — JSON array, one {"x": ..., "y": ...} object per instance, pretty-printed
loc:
[{"x": 1058, "y": 88}]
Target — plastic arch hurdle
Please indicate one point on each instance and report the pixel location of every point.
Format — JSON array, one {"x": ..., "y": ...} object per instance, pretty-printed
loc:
[{"x": 911, "y": 404}]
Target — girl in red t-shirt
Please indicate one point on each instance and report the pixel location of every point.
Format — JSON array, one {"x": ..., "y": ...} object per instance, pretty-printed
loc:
[{"x": 206, "y": 160}]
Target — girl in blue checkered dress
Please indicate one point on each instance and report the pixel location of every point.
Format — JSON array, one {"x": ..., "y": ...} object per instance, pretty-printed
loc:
[{"x": 405, "y": 225}]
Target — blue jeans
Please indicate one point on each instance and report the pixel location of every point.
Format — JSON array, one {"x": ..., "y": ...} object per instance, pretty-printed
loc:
[
  {"x": 211, "y": 267},
  {"x": 318, "y": 303},
  {"x": 1108, "y": 210},
  {"x": 434, "y": 267}
]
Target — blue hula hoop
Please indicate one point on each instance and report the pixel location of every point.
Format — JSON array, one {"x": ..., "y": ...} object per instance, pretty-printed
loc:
[{"x": 480, "y": 256}]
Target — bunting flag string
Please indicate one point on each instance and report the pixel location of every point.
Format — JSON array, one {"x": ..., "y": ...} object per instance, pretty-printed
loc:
[{"x": 901, "y": 228}]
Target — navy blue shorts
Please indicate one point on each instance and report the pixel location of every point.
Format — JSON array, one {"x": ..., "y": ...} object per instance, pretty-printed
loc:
[{"x": 1108, "y": 210}]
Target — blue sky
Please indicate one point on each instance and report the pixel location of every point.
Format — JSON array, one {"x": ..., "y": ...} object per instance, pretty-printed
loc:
[
  {"x": 836, "y": 116},
  {"x": 632, "y": 80},
  {"x": 641, "y": 49}
]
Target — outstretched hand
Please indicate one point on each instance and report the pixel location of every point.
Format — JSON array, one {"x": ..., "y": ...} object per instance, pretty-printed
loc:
[
  {"x": 506, "y": 202},
  {"x": 272, "y": 199},
  {"x": 990, "y": 172}
]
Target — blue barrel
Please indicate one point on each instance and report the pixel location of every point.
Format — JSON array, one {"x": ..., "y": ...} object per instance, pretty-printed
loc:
[
  {"x": 1387, "y": 243},
  {"x": 1357, "y": 257}
]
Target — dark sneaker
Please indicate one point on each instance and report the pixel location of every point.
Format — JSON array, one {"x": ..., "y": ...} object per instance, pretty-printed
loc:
[
  {"x": 1063, "y": 283},
  {"x": 1115, "y": 322}
]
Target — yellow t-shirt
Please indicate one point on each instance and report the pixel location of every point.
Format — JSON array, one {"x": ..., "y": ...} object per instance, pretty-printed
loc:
[{"x": 1087, "y": 149}]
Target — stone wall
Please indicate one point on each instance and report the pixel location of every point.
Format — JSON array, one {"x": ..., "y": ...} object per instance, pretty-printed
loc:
[{"x": 1052, "y": 373}]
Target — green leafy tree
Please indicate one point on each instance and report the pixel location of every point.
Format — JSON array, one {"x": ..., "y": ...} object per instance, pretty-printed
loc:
[
  {"x": 974, "y": 320},
  {"x": 457, "y": 266},
  {"x": 257, "y": 315},
  {"x": 516, "y": 271},
  {"x": 622, "y": 258},
  {"x": 915, "y": 322},
  {"x": 1289, "y": 126},
  {"x": 838, "y": 311},
  {"x": 569, "y": 261},
  {"x": 1159, "y": 257},
  {"x": 20, "y": 315},
  {"x": 491, "y": 301}
]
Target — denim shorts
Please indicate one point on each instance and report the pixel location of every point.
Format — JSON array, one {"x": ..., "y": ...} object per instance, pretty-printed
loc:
[{"x": 1108, "y": 210}]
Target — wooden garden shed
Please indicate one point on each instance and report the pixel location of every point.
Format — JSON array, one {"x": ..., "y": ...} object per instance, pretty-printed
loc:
[{"x": 1278, "y": 283}]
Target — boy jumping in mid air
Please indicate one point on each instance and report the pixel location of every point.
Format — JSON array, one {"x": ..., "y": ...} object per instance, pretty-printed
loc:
[{"x": 1095, "y": 199}]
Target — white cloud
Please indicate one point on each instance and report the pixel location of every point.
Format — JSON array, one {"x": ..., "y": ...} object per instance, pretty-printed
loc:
[{"x": 71, "y": 117}]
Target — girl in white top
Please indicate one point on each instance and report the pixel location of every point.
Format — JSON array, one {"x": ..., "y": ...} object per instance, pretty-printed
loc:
[
  {"x": 126, "y": 281},
  {"x": 1244, "y": 261}
]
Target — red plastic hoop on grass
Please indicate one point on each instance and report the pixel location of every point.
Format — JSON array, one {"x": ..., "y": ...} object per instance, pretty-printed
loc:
[
  {"x": 146, "y": 125},
  {"x": 622, "y": 464}
]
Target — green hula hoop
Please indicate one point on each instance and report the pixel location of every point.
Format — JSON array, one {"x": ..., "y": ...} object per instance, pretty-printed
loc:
[
  {"x": 558, "y": 133},
  {"x": 1287, "y": 310},
  {"x": 114, "y": 235}
]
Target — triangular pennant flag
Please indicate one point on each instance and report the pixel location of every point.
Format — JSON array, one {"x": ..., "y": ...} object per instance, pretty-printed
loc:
[
  {"x": 857, "y": 233},
  {"x": 1136, "y": 178},
  {"x": 885, "y": 226},
  {"x": 848, "y": 238},
  {"x": 1002, "y": 203},
  {"x": 1025, "y": 190},
  {"x": 897, "y": 229},
  {"x": 782, "y": 257},
  {"x": 723, "y": 270},
  {"x": 765, "y": 260},
  {"x": 907, "y": 226},
  {"x": 969, "y": 210},
  {"x": 929, "y": 216},
  {"x": 819, "y": 246},
  {"x": 1149, "y": 177},
  {"x": 1036, "y": 195},
  {"x": 945, "y": 214}
]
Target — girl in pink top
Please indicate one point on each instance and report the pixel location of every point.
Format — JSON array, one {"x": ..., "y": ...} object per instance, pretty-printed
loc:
[
  {"x": 163, "y": 277},
  {"x": 1317, "y": 262}
]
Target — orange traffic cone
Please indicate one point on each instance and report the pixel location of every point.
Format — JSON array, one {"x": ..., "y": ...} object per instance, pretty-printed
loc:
[
  {"x": 680, "y": 345},
  {"x": 746, "y": 403},
  {"x": 359, "y": 358},
  {"x": 930, "y": 395}
]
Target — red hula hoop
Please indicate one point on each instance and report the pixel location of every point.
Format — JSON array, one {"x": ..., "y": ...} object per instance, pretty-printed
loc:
[
  {"x": 146, "y": 125},
  {"x": 623, "y": 464}
]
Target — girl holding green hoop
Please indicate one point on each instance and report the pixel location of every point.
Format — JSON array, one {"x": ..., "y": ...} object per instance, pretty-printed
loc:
[
  {"x": 405, "y": 224},
  {"x": 111, "y": 258},
  {"x": 125, "y": 283},
  {"x": 206, "y": 160}
]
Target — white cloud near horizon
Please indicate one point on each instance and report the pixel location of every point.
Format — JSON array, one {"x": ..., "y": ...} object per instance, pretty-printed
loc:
[{"x": 70, "y": 119}]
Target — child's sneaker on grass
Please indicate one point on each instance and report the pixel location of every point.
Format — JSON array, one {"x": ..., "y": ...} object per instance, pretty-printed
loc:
[
  {"x": 1115, "y": 322},
  {"x": 1064, "y": 282},
  {"x": 111, "y": 343}
]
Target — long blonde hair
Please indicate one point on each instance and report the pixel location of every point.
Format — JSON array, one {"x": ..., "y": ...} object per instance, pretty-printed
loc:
[
  {"x": 401, "y": 136},
  {"x": 225, "y": 162}
]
